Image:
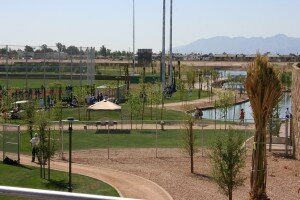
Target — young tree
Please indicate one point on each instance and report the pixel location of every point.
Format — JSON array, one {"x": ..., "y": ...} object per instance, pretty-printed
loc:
[
  {"x": 56, "y": 111},
  {"x": 30, "y": 112},
  {"x": 191, "y": 76},
  {"x": 189, "y": 138},
  {"x": 44, "y": 151},
  {"x": 182, "y": 90},
  {"x": 157, "y": 97},
  {"x": 134, "y": 105},
  {"x": 224, "y": 101},
  {"x": 227, "y": 160},
  {"x": 150, "y": 96},
  {"x": 286, "y": 79},
  {"x": 6, "y": 105},
  {"x": 80, "y": 94},
  {"x": 143, "y": 95},
  {"x": 264, "y": 90},
  {"x": 274, "y": 123}
]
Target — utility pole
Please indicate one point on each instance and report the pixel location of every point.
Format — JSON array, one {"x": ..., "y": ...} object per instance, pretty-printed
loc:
[
  {"x": 80, "y": 66},
  {"x": 163, "y": 52},
  {"x": 133, "y": 35},
  {"x": 171, "y": 40},
  {"x": 6, "y": 61}
]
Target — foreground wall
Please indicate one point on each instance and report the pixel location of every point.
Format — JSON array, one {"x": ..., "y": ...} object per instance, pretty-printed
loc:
[{"x": 296, "y": 108}]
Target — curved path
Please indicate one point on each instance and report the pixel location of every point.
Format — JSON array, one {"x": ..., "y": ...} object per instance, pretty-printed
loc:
[{"x": 127, "y": 185}]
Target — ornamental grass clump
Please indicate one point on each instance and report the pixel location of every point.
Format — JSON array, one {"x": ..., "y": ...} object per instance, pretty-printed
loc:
[{"x": 264, "y": 90}]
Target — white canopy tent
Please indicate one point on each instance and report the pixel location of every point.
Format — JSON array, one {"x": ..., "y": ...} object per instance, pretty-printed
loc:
[{"x": 104, "y": 105}]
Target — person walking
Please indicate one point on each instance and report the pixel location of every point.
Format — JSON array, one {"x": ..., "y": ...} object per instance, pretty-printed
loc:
[
  {"x": 34, "y": 145},
  {"x": 242, "y": 116}
]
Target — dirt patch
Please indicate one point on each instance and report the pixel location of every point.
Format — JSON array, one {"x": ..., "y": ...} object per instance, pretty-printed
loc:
[{"x": 171, "y": 171}]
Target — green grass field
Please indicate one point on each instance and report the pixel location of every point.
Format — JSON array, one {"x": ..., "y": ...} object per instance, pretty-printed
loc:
[
  {"x": 29, "y": 177},
  {"x": 136, "y": 139},
  {"x": 188, "y": 96},
  {"x": 37, "y": 83},
  {"x": 110, "y": 115}
]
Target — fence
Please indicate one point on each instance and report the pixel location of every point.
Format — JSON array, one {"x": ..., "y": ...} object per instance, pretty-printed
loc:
[
  {"x": 10, "y": 142},
  {"x": 116, "y": 138},
  {"x": 74, "y": 64},
  {"x": 150, "y": 138}
]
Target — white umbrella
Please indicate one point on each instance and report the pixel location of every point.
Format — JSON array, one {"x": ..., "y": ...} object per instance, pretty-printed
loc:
[{"x": 104, "y": 105}]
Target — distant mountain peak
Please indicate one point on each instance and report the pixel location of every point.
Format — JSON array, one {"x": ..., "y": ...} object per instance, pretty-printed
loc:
[
  {"x": 280, "y": 36},
  {"x": 277, "y": 44}
]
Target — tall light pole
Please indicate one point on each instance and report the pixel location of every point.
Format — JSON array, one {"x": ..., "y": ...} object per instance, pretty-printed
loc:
[
  {"x": 163, "y": 52},
  {"x": 6, "y": 58},
  {"x": 171, "y": 38},
  {"x": 70, "y": 120},
  {"x": 133, "y": 35}
]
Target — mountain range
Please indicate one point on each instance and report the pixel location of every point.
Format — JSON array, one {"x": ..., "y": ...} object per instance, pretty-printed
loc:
[{"x": 278, "y": 44}]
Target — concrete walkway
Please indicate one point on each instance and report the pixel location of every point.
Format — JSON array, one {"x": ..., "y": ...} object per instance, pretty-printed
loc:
[
  {"x": 167, "y": 126},
  {"x": 202, "y": 103},
  {"x": 127, "y": 185}
]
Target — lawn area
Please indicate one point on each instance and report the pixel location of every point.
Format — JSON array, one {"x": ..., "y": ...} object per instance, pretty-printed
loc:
[
  {"x": 110, "y": 115},
  {"x": 29, "y": 177},
  {"x": 115, "y": 115},
  {"x": 188, "y": 96},
  {"x": 36, "y": 83},
  {"x": 136, "y": 139}
]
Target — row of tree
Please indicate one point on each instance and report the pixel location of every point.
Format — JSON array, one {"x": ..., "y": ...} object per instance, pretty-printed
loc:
[{"x": 71, "y": 50}]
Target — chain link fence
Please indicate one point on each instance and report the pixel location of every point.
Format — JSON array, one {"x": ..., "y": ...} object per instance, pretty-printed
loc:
[{"x": 76, "y": 65}]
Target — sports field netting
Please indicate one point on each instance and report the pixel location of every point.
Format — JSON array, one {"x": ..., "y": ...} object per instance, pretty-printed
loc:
[{"x": 10, "y": 142}]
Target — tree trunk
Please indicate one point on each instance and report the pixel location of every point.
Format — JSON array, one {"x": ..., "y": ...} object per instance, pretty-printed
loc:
[
  {"x": 192, "y": 164},
  {"x": 259, "y": 164},
  {"x": 78, "y": 112},
  {"x": 230, "y": 195},
  {"x": 192, "y": 147},
  {"x": 131, "y": 116},
  {"x": 151, "y": 107}
]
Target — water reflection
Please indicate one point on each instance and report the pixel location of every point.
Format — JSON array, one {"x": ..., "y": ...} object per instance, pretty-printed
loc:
[{"x": 226, "y": 73}]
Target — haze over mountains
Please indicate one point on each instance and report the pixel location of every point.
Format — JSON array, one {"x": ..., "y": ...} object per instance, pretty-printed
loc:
[{"x": 278, "y": 44}]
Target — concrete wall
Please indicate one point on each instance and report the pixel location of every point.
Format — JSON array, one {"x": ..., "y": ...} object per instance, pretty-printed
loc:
[{"x": 296, "y": 108}]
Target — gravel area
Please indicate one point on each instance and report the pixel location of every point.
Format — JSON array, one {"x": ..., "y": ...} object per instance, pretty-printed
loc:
[{"x": 171, "y": 170}]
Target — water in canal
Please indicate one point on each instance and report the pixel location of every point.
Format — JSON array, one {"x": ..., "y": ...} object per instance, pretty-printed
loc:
[{"x": 234, "y": 111}]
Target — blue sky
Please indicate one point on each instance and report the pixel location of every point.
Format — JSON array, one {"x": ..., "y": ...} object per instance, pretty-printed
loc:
[{"x": 97, "y": 22}]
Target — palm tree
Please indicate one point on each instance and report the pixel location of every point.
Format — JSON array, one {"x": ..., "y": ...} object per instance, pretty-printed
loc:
[{"x": 264, "y": 90}]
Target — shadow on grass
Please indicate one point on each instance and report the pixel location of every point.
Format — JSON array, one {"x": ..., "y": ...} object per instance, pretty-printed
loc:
[
  {"x": 18, "y": 165},
  {"x": 25, "y": 167},
  {"x": 57, "y": 184}
]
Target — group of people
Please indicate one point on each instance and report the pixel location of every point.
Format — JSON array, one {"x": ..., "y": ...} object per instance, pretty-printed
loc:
[{"x": 91, "y": 99}]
